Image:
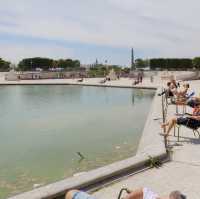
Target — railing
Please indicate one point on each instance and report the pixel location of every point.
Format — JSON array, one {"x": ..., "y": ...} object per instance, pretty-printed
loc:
[{"x": 164, "y": 113}]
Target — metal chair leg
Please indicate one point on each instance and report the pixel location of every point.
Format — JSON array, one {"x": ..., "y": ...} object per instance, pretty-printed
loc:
[
  {"x": 178, "y": 129},
  {"x": 178, "y": 133},
  {"x": 174, "y": 131},
  {"x": 176, "y": 109},
  {"x": 184, "y": 109},
  {"x": 196, "y": 131}
]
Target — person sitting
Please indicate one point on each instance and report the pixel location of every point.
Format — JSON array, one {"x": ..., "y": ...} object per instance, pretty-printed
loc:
[
  {"x": 141, "y": 193},
  {"x": 189, "y": 101},
  {"x": 185, "y": 93},
  {"x": 192, "y": 121},
  {"x": 167, "y": 91},
  {"x": 171, "y": 89}
]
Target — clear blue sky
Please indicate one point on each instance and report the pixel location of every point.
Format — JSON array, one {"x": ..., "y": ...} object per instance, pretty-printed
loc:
[{"x": 103, "y": 29}]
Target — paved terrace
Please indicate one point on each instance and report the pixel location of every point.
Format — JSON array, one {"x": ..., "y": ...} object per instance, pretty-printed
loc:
[
  {"x": 123, "y": 82},
  {"x": 182, "y": 172}
]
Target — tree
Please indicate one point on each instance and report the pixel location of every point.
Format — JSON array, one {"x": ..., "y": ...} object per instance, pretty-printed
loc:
[
  {"x": 4, "y": 65},
  {"x": 76, "y": 64},
  {"x": 46, "y": 63},
  {"x": 126, "y": 70},
  {"x": 140, "y": 63},
  {"x": 196, "y": 62},
  {"x": 169, "y": 63},
  {"x": 36, "y": 62},
  {"x": 69, "y": 64}
]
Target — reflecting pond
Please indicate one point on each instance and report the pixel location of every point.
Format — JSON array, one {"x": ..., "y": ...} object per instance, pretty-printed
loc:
[{"x": 43, "y": 128}]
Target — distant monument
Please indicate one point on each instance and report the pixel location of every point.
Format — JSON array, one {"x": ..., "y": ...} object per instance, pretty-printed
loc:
[
  {"x": 96, "y": 62},
  {"x": 132, "y": 60}
]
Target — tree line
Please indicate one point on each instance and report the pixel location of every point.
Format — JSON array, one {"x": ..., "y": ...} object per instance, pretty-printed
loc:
[
  {"x": 46, "y": 64},
  {"x": 4, "y": 65},
  {"x": 169, "y": 63},
  {"x": 29, "y": 64}
]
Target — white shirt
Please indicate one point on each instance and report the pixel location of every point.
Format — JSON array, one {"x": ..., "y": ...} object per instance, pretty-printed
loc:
[{"x": 148, "y": 194}]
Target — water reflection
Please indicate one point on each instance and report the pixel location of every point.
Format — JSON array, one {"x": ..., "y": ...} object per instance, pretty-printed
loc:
[{"x": 133, "y": 97}]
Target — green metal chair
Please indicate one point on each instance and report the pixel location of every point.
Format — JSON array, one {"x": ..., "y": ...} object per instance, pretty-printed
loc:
[{"x": 195, "y": 131}]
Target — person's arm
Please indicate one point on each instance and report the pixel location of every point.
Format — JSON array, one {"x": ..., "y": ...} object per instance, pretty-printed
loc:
[{"x": 136, "y": 194}]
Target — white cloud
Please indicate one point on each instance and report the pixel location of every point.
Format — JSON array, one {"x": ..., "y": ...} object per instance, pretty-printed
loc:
[{"x": 171, "y": 27}]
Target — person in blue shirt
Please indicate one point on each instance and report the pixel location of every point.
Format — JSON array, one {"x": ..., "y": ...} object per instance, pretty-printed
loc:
[{"x": 141, "y": 193}]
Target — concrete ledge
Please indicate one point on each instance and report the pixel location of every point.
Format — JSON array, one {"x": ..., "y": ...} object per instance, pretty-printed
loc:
[
  {"x": 151, "y": 138},
  {"x": 75, "y": 84}
]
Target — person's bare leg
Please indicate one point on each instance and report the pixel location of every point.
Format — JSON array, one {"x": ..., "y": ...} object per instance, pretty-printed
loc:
[
  {"x": 136, "y": 194},
  {"x": 165, "y": 124},
  {"x": 170, "y": 124},
  {"x": 69, "y": 194}
]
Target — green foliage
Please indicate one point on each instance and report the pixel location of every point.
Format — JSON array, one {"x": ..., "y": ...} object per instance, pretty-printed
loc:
[
  {"x": 36, "y": 62},
  {"x": 4, "y": 65},
  {"x": 68, "y": 64},
  {"x": 126, "y": 70},
  {"x": 99, "y": 70},
  {"x": 174, "y": 64},
  {"x": 154, "y": 162},
  {"x": 196, "y": 62},
  {"x": 46, "y": 63},
  {"x": 141, "y": 63}
]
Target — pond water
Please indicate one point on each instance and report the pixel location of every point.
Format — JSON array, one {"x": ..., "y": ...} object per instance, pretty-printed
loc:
[{"x": 43, "y": 127}]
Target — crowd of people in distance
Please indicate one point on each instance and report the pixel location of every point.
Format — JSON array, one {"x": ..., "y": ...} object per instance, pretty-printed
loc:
[
  {"x": 141, "y": 193},
  {"x": 185, "y": 96}
]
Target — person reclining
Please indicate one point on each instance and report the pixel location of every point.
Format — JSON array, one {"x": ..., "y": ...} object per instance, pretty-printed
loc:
[
  {"x": 183, "y": 93},
  {"x": 141, "y": 193},
  {"x": 192, "y": 121},
  {"x": 191, "y": 101},
  {"x": 172, "y": 91},
  {"x": 167, "y": 91}
]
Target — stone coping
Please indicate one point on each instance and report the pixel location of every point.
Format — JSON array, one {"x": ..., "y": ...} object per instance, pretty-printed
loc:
[
  {"x": 151, "y": 138},
  {"x": 25, "y": 83},
  {"x": 151, "y": 144}
]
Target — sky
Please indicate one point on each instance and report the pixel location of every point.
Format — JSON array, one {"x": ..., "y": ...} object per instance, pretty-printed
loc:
[{"x": 99, "y": 29}]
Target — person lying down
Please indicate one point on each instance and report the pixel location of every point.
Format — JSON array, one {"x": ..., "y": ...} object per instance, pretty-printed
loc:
[{"x": 141, "y": 193}]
